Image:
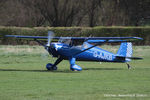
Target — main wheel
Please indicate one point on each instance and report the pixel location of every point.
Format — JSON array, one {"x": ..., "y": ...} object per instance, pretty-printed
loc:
[
  {"x": 75, "y": 68},
  {"x": 50, "y": 66}
]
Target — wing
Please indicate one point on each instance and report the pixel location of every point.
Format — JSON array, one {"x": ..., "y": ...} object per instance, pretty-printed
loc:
[
  {"x": 108, "y": 39},
  {"x": 88, "y": 39},
  {"x": 30, "y": 37}
]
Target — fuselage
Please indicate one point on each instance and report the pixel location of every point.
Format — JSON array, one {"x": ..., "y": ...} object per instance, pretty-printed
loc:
[{"x": 93, "y": 54}]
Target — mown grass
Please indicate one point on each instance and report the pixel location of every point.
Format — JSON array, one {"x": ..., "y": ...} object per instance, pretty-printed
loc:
[{"x": 23, "y": 77}]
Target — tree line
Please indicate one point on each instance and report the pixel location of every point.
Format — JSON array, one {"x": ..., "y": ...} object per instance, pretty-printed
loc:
[{"x": 66, "y": 13}]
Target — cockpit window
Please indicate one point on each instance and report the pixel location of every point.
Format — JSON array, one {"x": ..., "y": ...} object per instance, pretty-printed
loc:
[
  {"x": 77, "y": 42},
  {"x": 69, "y": 41},
  {"x": 66, "y": 40}
]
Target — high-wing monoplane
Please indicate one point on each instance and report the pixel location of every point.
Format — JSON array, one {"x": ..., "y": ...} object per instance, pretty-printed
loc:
[{"x": 83, "y": 49}]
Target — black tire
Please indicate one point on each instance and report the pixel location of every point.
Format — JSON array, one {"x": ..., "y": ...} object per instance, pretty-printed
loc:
[{"x": 50, "y": 66}]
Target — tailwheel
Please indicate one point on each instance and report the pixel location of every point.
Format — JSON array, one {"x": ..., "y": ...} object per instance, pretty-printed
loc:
[
  {"x": 51, "y": 67},
  {"x": 129, "y": 67}
]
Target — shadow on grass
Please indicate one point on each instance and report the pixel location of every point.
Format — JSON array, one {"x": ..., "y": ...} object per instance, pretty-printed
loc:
[
  {"x": 116, "y": 69},
  {"x": 103, "y": 69},
  {"x": 21, "y": 70},
  {"x": 59, "y": 71}
]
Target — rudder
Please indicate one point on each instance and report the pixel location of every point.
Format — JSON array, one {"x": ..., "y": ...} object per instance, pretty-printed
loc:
[{"x": 125, "y": 49}]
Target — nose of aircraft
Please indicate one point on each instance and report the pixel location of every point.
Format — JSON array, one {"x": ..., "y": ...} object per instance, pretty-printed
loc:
[{"x": 57, "y": 46}]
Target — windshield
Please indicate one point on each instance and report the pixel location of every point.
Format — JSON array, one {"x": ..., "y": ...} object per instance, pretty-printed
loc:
[{"x": 65, "y": 40}]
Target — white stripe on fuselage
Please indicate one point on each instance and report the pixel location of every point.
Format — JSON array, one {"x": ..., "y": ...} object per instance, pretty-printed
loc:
[{"x": 102, "y": 55}]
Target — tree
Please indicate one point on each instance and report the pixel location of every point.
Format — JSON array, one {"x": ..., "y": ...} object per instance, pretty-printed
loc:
[
  {"x": 92, "y": 11},
  {"x": 58, "y": 12},
  {"x": 136, "y": 10}
]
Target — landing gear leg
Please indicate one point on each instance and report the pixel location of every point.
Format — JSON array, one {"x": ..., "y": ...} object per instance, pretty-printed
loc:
[
  {"x": 129, "y": 67},
  {"x": 50, "y": 66},
  {"x": 73, "y": 66}
]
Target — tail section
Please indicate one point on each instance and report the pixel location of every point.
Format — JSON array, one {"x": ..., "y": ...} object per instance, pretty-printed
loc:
[
  {"x": 124, "y": 53},
  {"x": 125, "y": 49}
]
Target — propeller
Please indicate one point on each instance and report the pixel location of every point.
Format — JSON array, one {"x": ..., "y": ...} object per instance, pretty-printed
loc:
[
  {"x": 49, "y": 37},
  {"x": 45, "y": 55}
]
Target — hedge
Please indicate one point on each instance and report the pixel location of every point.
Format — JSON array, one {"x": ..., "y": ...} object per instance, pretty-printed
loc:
[{"x": 100, "y": 31}]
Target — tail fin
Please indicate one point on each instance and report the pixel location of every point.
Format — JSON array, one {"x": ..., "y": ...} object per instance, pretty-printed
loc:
[
  {"x": 125, "y": 49},
  {"x": 125, "y": 52}
]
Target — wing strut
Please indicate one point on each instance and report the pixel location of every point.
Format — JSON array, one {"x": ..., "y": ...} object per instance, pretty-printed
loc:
[
  {"x": 90, "y": 48},
  {"x": 39, "y": 42}
]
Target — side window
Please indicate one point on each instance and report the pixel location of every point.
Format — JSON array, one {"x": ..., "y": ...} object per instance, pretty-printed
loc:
[{"x": 77, "y": 42}]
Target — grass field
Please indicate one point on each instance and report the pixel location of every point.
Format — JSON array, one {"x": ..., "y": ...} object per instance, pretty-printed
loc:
[{"x": 23, "y": 77}]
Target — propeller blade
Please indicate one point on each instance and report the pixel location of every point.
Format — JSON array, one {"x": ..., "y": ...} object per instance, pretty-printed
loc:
[
  {"x": 44, "y": 55},
  {"x": 50, "y": 36}
]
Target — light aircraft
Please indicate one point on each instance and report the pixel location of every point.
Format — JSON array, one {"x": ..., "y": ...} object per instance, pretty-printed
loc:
[{"x": 83, "y": 49}]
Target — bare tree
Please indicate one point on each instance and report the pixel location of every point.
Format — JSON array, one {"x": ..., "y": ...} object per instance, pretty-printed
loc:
[
  {"x": 58, "y": 12},
  {"x": 73, "y": 12},
  {"x": 92, "y": 8}
]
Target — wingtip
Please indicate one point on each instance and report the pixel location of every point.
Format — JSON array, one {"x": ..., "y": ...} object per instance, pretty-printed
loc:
[
  {"x": 139, "y": 38},
  {"x": 11, "y": 36}
]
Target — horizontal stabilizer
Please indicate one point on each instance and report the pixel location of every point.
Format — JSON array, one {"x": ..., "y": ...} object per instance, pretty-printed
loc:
[{"x": 123, "y": 58}]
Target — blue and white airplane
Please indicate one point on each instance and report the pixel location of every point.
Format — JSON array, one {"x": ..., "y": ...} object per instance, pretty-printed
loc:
[{"x": 84, "y": 49}]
